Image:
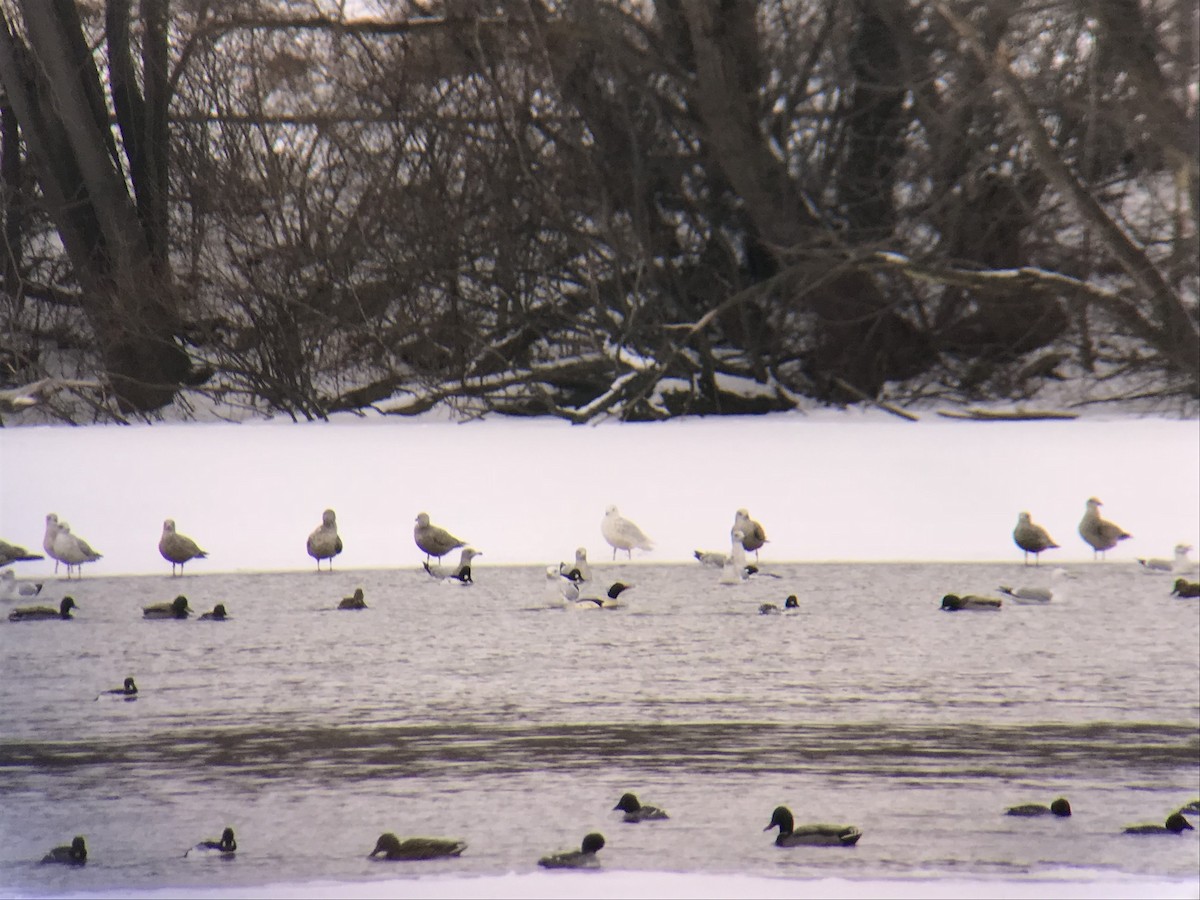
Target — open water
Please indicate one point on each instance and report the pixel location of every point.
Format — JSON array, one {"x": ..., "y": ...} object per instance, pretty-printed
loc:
[{"x": 479, "y": 713}]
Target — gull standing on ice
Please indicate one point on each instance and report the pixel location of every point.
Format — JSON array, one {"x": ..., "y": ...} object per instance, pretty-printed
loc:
[
  {"x": 622, "y": 534},
  {"x": 1031, "y": 538},
  {"x": 734, "y": 570},
  {"x": 177, "y": 548},
  {"x": 753, "y": 535},
  {"x": 433, "y": 540},
  {"x": 69, "y": 549},
  {"x": 11, "y": 553},
  {"x": 324, "y": 542},
  {"x": 1101, "y": 534},
  {"x": 1180, "y": 563}
]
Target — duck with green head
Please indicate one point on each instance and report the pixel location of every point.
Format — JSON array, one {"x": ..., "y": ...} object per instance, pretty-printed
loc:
[
  {"x": 792, "y": 835},
  {"x": 583, "y": 858}
]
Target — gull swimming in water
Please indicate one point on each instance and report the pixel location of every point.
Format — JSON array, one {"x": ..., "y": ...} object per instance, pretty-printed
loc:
[
  {"x": 460, "y": 573},
  {"x": 69, "y": 549},
  {"x": 324, "y": 542},
  {"x": 434, "y": 541},
  {"x": 1038, "y": 593},
  {"x": 622, "y": 534},
  {"x": 1031, "y": 538},
  {"x": 734, "y": 570},
  {"x": 753, "y": 536},
  {"x": 177, "y": 548},
  {"x": 1101, "y": 534},
  {"x": 579, "y": 570},
  {"x": 1181, "y": 562},
  {"x": 11, "y": 553},
  {"x": 11, "y": 589}
]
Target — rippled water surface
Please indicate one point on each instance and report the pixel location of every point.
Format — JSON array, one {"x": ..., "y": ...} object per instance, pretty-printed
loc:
[{"x": 479, "y": 713}]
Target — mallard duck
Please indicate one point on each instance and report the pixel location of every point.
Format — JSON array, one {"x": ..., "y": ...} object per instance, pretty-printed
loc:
[
  {"x": 1185, "y": 588},
  {"x": 355, "y": 602},
  {"x": 583, "y": 858},
  {"x": 1059, "y": 807},
  {"x": 176, "y": 548},
  {"x": 393, "y": 848},
  {"x": 226, "y": 847},
  {"x": 324, "y": 542},
  {"x": 1099, "y": 533},
  {"x": 810, "y": 835},
  {"x": 128, "y": 692},
  {"x": 74, "y": 855},
  {"x": 638, "y": 812},
  {"x": 33, "y": 613},
  {"x": 432, "y": 540},
  {"x": 176, "y": 609},
  {"x": 1175, "y": 824},
  {"x": 952, "y": 602},
  {"x": 218, "y": 614}
]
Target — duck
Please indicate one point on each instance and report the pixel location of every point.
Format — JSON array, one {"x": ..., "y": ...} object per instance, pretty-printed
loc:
[
  {"x": 226, "y": 847},
  {"x": 393, "y": 848},
  {"x": 1031, "y": 538},
  {"x": 1181, "y": 562},
  {"x": 1059, "y": 807},
  {"x": 11, "y": 553},
  {"x": 218, "y": 614},
  {"x": 623, "y": 534},
  {"x": 791, "y": 602},
  {"x": 128, "y": 692},
  {"x": 11, "y": 589},
  {"x": 460, "y": 573},
  {"x": 952, "y": 602},
  {"x": 176, "y": 609},
  {"x": 355, "y": 602},
  {"x": 579, "y": 570},
  {"x": 176, "y": 548},
  {"x": 33, "y": 613},
  {"x": 432, "y": 540},
  {"x": 1175, "y": 824},
  {"x": 583, "y": 858},
  {"x": 324, "y": 542},
  {"x": 1185, "y": 588},
  {"x": 74, "y": 855},
  {"x": 1099, "y": 533},
  {"x": 767, "y": 609},
  {"x": 611, "y": 599},
  {"x": 753, "y": 536},
  {"x": 638, "y": 812},
  {"x": 810, "y": 835}
]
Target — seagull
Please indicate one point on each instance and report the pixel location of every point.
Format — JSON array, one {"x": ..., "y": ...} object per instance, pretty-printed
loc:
[
  {"x": 560, "y": 588},
  {"x": 1031, "y": 538},
  {"x": 69, "y": 549},
  {"x": 433, "y": 540},
  {"x": 579, "y": 570},
  {"x": 11, "y": 589},
  {"x": 324, "y": 542},
  {"x": 735, "y": 569},
  {"x": 1037, "y": 593},
  {"x": 1100, "y": 533},
  {"x": 48, "y": 539},
  {"x": 710, "y": 558},
  {"x": 461, "y": 572},
  {"x": 177, "y": 548},
  {"x": 1180, "y": 563},
  {"x": 753, "y": 535},
  {"x": 11, "y": 553},
  {"x": 622, "y": 534}
]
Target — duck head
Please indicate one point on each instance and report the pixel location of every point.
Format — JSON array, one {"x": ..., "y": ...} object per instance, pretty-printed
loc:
[
  {"x": 594, "y": 841},
  {"x": 782, "y": 817},
  {"x": 130, "y": 686},
  {"x": 179, "y": 607},
  {"x": 628, "y": 803},
  {"x": 228, "y": 844},
  {"x": 388, "y": 842},
  {"x": 68, "y": 604},
  {"x": 615, "y": 591},
  {"x": 1061, "y": 807},
  {"x": 78, "y": 849},
  {"x": 1178, "y": 824}
]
